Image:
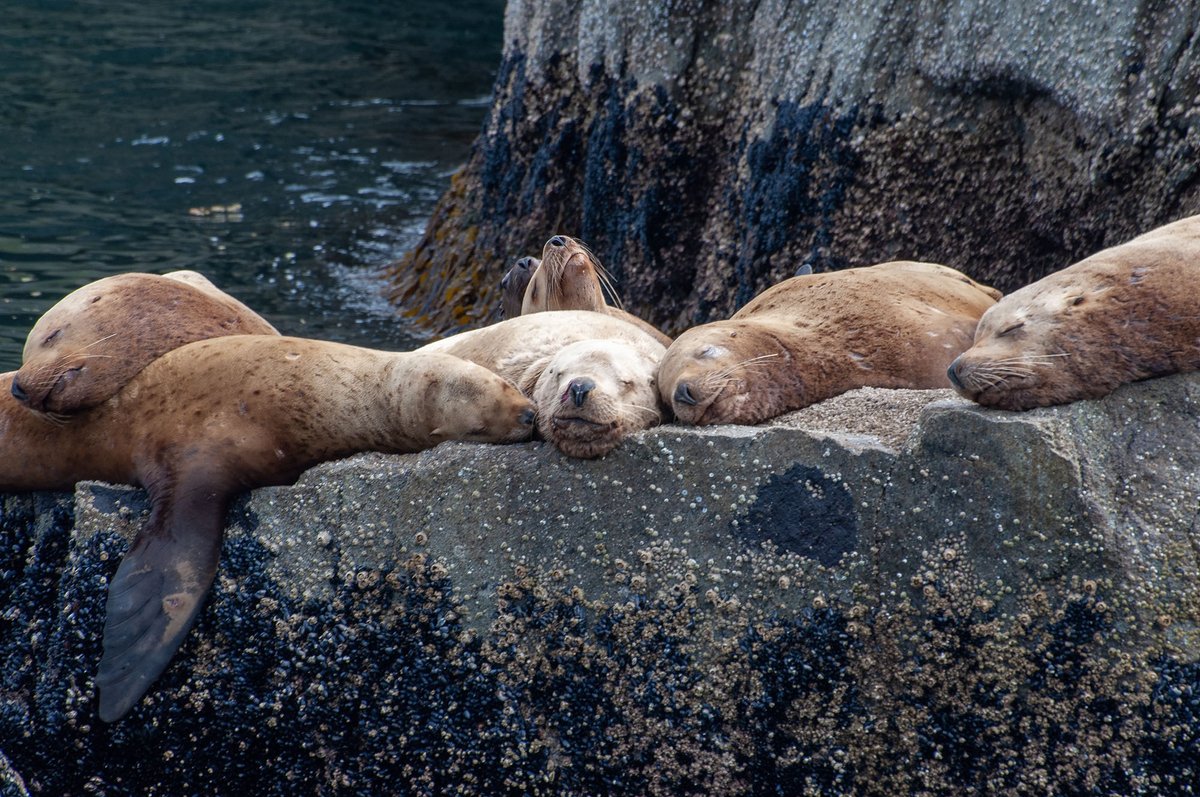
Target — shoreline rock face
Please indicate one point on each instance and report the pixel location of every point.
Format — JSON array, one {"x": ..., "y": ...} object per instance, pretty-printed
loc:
[
  {"x": 977, "y": 602},
  {"x": 705, "y": 150}
]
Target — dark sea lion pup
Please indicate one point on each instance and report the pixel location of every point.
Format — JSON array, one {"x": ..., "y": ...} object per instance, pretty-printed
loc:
[
  {"x": 215, "y": 417},
  {"x": 1127, "y": 313},
  {"x": 513, "y": 285},
  {"x": 815, "y": 336},
  {"x": 94, "y": 340},
  {"x": 568, "y": 277}
]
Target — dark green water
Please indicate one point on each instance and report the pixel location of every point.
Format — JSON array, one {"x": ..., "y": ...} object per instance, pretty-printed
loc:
[{"x": 334, "y": 125}]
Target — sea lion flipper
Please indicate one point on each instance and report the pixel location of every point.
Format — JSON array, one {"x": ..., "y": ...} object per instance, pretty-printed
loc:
[{"x": 154, "y": 598}]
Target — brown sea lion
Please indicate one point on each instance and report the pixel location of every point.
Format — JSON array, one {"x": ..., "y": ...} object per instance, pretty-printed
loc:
[
  {"x": 818, "y": 335},
  {"x": 218, "y": 416},
  {"x": 89, "y": 345},
  {"x": 591, "y": 375},
  {"x": 569, "y": 278},
  {"x": 1123, "y": 314},
  {"x": 513, "y": 284}
]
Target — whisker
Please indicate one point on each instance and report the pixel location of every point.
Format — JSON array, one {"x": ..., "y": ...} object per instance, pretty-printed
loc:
[
  {"x": 101, "y": 340},
  {"x": 648, "y": 410}
]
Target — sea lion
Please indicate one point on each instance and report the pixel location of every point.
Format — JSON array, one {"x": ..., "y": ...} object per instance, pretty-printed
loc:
[
  {"x": 815, "y": 336},
  {"x": 1124, "y": 314},
  {"x": 94, "y": 340},
  {"x": 513, "y": 284},
  {"x": 218, "y": 416},
  {"x": 591, "y": 375},
  {"x": 569, "y": 278}
]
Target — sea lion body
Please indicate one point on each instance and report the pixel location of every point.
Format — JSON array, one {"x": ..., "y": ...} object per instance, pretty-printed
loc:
[
  {"x": 1124, "y": 314},
  {"x": 815, "y": 336},
  {"x": 591, "y": 375},
  {"x": 569, "y": 278},
  {"x": 93, "y": 341},
  {"x": 214, "y": 417}
]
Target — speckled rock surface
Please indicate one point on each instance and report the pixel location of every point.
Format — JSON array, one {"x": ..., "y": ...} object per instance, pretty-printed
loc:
[
  {"x": 924, "y": 598},
  {"x": 11, "y": 784},
  {"x": 706, "y": 149}
]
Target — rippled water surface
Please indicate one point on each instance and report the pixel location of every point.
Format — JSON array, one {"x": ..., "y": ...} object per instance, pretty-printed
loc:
[{"x": 327, "y": 130}]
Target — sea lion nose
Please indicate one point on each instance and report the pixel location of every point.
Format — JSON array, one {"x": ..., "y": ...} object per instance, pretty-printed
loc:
[
  {"x": 19, "y": 392},
  {"x": 683, "y": 394},
  {"x": 558, "y": 240},
  {"x": 952, "y": 374},
  {"x": 579, "y": 390},
  {"x": 525, "y": 263},
  {"x": 526, "y": 418}
]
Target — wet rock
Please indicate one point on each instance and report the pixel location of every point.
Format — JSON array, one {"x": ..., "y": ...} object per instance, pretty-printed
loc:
[
  {"x": 821, "y": 603},
  {"x": 705, "y": 150}
]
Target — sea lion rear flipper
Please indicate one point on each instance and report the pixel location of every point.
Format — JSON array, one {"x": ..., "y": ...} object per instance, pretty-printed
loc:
[{"x": 156, "y": 594}]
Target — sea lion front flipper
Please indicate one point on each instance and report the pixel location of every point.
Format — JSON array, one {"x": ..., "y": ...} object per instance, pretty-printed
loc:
[{"x": 156, "y": 594}]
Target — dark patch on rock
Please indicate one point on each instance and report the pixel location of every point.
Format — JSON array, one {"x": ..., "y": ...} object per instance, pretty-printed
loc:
[
  {"x": 803, "y": 511},
  {"x": 797, "y": 179},
  {"x": 108, "y": 498}
]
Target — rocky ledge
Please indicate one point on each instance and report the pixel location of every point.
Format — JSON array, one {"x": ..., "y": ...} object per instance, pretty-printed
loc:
[{"x": 891, "y": 592}]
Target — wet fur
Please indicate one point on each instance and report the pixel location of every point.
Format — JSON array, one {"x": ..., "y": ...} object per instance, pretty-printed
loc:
[
  {"x": 815, "y": 336},
  {"x": 1127, "y": 313}
]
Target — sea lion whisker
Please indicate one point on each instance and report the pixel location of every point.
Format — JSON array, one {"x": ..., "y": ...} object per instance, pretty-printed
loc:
[
  {"x": 753, "y": 362},
  {"x": 1031, "y": 359},
  {"x": 653, "y": 411},
  {"x": 1010, "y": 372},
  {"x": 98, "y": 341}
]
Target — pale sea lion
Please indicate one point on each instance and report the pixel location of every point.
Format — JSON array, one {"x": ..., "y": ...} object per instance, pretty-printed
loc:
[
  {"x": 1124, "y": 314},
  {"x": 218, "y": 416},
  {"x": 513, "y": 285},
  {"x": 591, "y": 375},
  {"x": 815, "y": 336},
  {"x": 93, "y": 341},
  {"x": 569, "y": 278}
]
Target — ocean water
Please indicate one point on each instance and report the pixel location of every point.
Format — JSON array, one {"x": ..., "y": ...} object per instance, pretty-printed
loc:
[{"x": 287, "y": 150}]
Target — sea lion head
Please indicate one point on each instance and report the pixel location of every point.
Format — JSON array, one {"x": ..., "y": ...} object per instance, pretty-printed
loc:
[
  {"x": 594, "y": 392},
  {"x": 90, "y": 344},
  {"x": 513, "y": 285},
  {"x": 568, "y": 278},
  {"x": 1048, "y": 343},
  {"x": 730, "y": 372},
  {"x": 465, "y": 401}
]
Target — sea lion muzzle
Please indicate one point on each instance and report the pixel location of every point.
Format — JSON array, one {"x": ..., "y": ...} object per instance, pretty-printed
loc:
[
  {"x": 683, "y": 394},
  {"x": 952, "y": 375},
  {"x": 19, "y": 393},
  {"x": 579, "y": 390}
]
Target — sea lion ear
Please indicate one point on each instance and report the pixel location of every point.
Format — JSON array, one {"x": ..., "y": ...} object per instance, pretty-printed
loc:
[{"x": 804, "y": 270}]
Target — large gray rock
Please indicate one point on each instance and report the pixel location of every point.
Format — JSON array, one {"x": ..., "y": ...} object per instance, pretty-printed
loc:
[
  {"x": 706, "y": 149},
  {"x": 843, "y": 601}
]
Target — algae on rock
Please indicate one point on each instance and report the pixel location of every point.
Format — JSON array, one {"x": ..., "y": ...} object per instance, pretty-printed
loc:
[{"x": 705, "y": 150}]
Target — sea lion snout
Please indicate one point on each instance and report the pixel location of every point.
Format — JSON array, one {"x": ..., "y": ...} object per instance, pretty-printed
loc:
[
  {"x": 952, "y": 374},
  {"x": 557, "y": 240},
  {"x": 683, "y": 394},
  {"x": 19, "y": 393},
  {"x": 527, "y": 417},
  {"x": 579, "y": 390}
]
